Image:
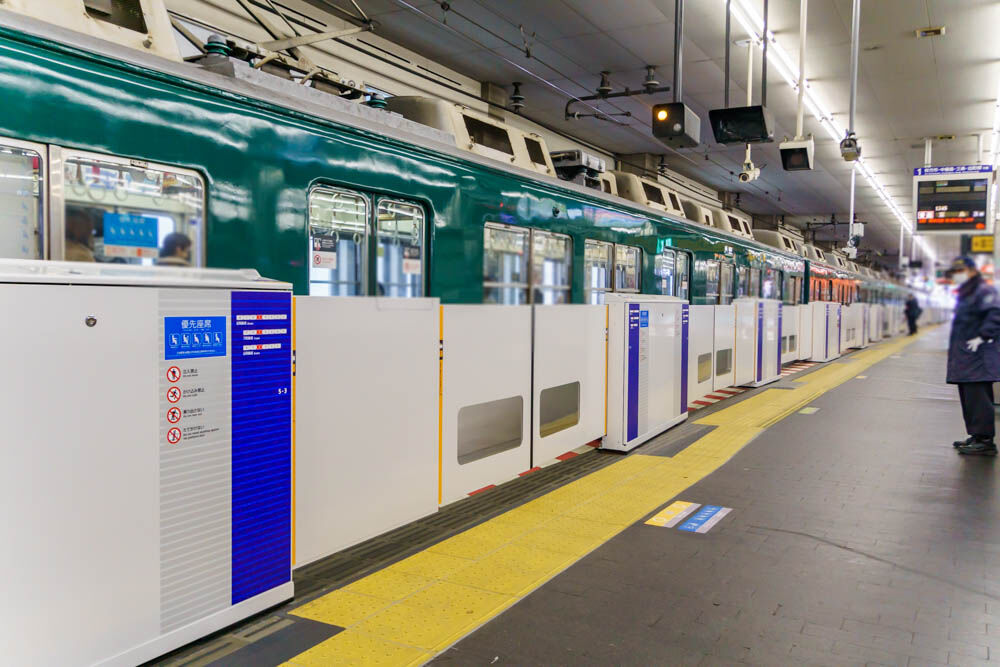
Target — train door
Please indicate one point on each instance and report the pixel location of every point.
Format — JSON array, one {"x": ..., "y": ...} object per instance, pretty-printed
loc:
[{"x": 23, "y": 233}]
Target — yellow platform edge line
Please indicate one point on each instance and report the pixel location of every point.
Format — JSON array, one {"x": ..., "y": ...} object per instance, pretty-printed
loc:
[{"x": 490, "y": 569}]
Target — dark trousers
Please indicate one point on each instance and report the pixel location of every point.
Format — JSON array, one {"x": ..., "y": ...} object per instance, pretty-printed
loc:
[
  {"x": 912, "y": 323},
  {"x": 977, "y": 408}
]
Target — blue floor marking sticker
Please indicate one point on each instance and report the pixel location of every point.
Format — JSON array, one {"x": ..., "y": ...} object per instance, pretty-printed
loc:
[{"x": 707, "y": 516}]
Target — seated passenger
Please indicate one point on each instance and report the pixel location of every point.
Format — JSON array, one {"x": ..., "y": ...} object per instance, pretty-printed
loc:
[
  {"x": 79, "y": 235},
  {"x": 176, "y": 250}
]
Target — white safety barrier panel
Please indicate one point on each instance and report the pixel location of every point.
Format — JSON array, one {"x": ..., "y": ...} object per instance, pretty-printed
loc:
[
  {"x": 852, "y": 325},
  {"x": 701, "y": 351},
  {"x": 746, "y": 341},
  {"x": 790, "y": 318},
  {"x": 826, "y": 317},
  {"x": 805, "y": 331},
  {"x": 875, "y": 314},
  {"x": 860, "y": 338},
  {"x": 725, "y": 347},
  {"x": 486, "y": 417},
  {"x": 570, "y": 352},
  {"x": 366, "y": 419},
  {"x": 647, "y": 392},
  {"x": 145, "y": 492},
  {"x": 766, "y": 317}
]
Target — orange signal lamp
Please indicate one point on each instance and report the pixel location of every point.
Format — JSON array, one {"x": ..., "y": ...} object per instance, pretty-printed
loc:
[{"x": 661, "y": 114}]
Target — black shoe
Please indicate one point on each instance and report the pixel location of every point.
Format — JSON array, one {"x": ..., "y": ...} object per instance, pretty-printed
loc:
[
  {"x": 963, "y": 443},
  {"x": 979, "y": 448}
]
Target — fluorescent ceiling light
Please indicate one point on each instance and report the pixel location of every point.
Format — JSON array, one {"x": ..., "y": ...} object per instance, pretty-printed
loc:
[{"x": 753, "y": 24}]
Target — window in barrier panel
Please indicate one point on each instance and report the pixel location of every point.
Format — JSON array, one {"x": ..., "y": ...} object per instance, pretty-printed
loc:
[
  {"x": 560, "y": 408},
  {"x": 486, "y": 429},
  {"x": 22, "y": 212},
  {"x": 505, "y": 265},
  {"x": 704, "y": 367},
  {"x": 628, "y": 263},
  {"x": 338, "y": 242},
  {"x": 723, "y": 362},
  {"x": 551, "y": 267},
  {"x": 597, "y": 270},
  {"x": 399, "y": 264},
  {"x": 131, "y": 212}
]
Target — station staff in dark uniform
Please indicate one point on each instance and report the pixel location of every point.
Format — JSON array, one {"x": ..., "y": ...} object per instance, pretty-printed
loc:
[{"x": 974, "y": 355}]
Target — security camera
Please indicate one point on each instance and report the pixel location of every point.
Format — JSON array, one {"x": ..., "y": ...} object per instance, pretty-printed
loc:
[
  {"x": 850, "y": 150},
  {"x": 850, "y": 252},
  {"x": 797, "y": 154},
  {"x": 749, "y": 173}
]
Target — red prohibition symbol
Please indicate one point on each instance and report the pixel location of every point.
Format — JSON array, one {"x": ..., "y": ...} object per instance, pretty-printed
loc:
[
  {"x": 174, "y": 415},
  {"x": 173, "y": 394},
  {"x": 174, "y": 436},
  {"x": 173, "y": 374}
]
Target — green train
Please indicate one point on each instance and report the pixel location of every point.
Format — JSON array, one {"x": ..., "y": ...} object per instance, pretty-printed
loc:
[{"x": 116, "y": 141}]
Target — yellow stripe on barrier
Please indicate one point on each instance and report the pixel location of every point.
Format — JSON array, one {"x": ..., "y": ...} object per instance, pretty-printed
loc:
[{"x": 407, "y": 613}]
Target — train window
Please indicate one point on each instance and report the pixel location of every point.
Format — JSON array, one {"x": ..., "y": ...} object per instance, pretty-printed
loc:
[
  {"x": 535, "y": 151},
  {"x": 683, "y": 275},
  {"x": 771, "y": 285},
  {"x": 628, "y": 264},
  {"x": 488, "y": 135},
  {"x": 505, "y": 265},
  {"x": 754, "y": 283},
  {"x": 726, "y": 284},
  {"x": 551, "y": 267},
  {"x": 399, "y": 265},
  {"x": 338, "y": 242},
  {"x": 742, "y": 281},
  {"x": 130, "y": 212},
  {"x": 485, "y": 429},
  {"x": 597, "y": 270},
  {"x": 711, "y": 269},
  {"x": 22, "y": 212},
  {"x": 653, "y": 194},
  {"x": 666, "y": 267},
  {"x": 123, "y": 13}
]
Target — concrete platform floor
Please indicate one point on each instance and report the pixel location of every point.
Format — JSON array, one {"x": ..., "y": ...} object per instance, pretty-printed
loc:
[{"x": 857, "y": 536}]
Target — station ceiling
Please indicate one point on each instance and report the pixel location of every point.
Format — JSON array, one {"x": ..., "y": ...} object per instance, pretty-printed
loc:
[{"x": 909, "y": 88}]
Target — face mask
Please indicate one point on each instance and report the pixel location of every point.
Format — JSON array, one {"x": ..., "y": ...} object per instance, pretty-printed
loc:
[{"x": 959, "y": 278}]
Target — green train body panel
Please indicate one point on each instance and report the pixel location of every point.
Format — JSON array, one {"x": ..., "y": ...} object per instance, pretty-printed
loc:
[{"x": 260, "y": 160}]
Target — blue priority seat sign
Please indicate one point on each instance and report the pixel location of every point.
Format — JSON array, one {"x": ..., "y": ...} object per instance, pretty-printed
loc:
[{"x": 194, "y": 337}]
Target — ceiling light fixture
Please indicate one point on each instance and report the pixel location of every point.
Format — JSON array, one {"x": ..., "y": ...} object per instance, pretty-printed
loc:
[{"x": 753, "y": 25}]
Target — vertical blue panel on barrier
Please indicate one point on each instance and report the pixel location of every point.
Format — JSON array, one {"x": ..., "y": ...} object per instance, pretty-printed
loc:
[
  {"x": 632, "y": 430},
  {"x": 760, "y": 341},
  {"x": 262, "y": 447},
  {"x": 779, "y": 338},
  {"x": 684, "y": 358}
]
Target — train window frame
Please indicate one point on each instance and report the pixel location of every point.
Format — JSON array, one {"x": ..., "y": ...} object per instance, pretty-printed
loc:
[
  {"x": 539, "y": 290},
  {"x": 60, "y": 155},
  {"x": 666, "y": 272},
  {"x": 629, "y": 249},
  {"x": 43, "y": 222},
  {"x": 589, "y": 289},
  {"x": 674, "y": 201},
  {"x": 363, "y": 281},
  {"x": 500, "y": 144},
  {"x": 712, "y": 276},
  {"x": 683, "y": 275},
  {"x": 422, "y": 281},
  {"x": 523, "y": 288},
  {"x": 726, "y": 283}
]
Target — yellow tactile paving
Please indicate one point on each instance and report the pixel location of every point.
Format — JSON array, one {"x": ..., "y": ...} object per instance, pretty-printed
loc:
[{"x": 414, "y": 609}]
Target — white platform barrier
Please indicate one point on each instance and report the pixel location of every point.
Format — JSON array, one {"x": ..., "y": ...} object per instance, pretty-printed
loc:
[
  {"x": 765, "y": 316},
  {"x": 790, "y": 342},
  {"x": 826, "y": 319},
  {"x": 701, "y": 351},
  {"x": 486, "y": 422},
  {"x": 852, "y": 326},
  {"x": 366, "y": 419},
  {"x": 746, "y": 342},
  {"x": 646, "y": 368},
  {"x": 725, "y": 347},
  {"x": 805, "y": 331},
  {"x": 875, "y": 314},
  {"x": 569, "y": 379}
]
